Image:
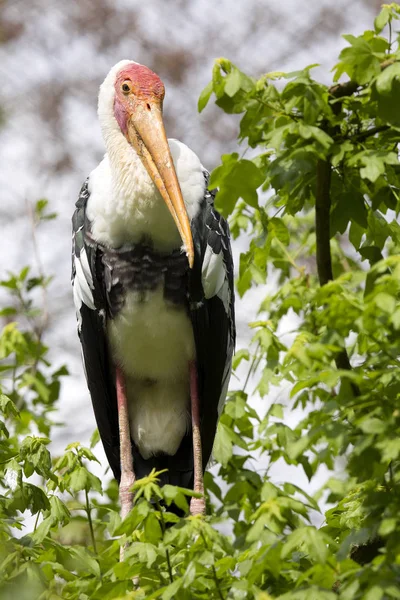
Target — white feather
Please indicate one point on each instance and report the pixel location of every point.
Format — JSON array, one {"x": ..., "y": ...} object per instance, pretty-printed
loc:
[
  {"x": 213, "y": 272},
  {"x": 85, "y": 268},
  {"x": 125, "y": 206},
  {"x": 224, "y": 294},
  {"x": 152, "y": 338},
  {"x": 159, "y": 415},
  {"x": 153, "y": 342},
  {"x": 81, "y": 287}
]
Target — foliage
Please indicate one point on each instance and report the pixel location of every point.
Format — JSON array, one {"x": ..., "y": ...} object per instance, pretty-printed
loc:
[{"x": 324, "y": 225}]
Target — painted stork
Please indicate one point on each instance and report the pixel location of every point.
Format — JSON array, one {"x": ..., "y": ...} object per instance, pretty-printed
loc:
[{"x": 153, "y": 289}]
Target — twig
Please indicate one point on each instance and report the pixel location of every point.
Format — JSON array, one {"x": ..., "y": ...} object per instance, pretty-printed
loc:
[
  {"x": 359, "y": 137},
  {"x": 89, "y": 516},
  {"x": 342, "y": 90},
  {"x": 288, "y": 256},
  {"x": 163, "y": 528},
  {"x": 253, "y": 362},
  {"x": 37, "y": 520}
]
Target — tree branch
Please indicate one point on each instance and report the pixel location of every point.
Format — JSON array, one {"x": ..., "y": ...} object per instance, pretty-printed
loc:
[
  {"x": 341, "y": 90},
  {"x": 359, "y": 137}
]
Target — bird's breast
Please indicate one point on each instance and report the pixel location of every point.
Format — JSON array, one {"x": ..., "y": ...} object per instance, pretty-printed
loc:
[
  {"x": 151, "y": 338},
  {"x": 138, "y": 270},
  {"x": 150, "y": 330}
]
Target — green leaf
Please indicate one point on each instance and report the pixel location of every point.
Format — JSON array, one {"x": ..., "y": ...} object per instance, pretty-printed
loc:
[
  {"x": 374, "y": 163},
  {"x": 145, "y": 552},
  {"x": 294, "y": 449},
  {"x": 360, "y": 61},
  {"x": 375, "y": 593},
  {"x": 205, "y": 96},
  {"x": 372, "y": 425},
  {"x": 387, "y": 526},
  {"x": 233, "y": 82},
  {"x": 152, "y": 529},
  {"x": 385, "y": 81},
  {"x": 386, "y": 93},
  {"x": 79, "y": 479},
  {"x": 222, "y": 449},
  {"x": 276, "y": 410},
  {"x": 7, "y": 406},
  {"x": 382, "y": 19},
  {"x": 42, "y": 530},
  {"x": 8, "y": 311},
  {"x": 371, "y": 253},
  {"x": 95, "y": 438},
  {"x": 189, "y": 575},
  {"x": 239, "y": 356},
  {"x": 309, "y": 540},
  {"x": 172, "y": 589},
  {"x": 59, "y": 511},
  {"x": 278, "y": 229},
  {"x": 385, "y": 302},
  {"x": 236, "y": 178},
  {"x": 350, "y": 206},
  {"x": 85, "y": 561}
]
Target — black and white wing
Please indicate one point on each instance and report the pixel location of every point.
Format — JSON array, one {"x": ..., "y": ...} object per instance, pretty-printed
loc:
[
  {"x": 212, "y": 311},
  {"x": 90, "y": 304}
]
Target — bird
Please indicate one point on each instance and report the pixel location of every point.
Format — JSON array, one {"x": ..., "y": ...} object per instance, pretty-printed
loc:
[{"x": 153, "y": 287}]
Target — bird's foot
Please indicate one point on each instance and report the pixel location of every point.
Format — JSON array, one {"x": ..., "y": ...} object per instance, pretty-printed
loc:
[{"x": 198, "y": 506}]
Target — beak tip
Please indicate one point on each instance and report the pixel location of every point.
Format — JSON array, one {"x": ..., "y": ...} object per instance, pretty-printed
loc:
[
  {"x": 189, "y": 250},
  {"x": 190, "y": 255}
]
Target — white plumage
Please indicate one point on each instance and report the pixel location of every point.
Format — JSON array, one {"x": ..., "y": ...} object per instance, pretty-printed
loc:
[{"x": 153, "y": 342}]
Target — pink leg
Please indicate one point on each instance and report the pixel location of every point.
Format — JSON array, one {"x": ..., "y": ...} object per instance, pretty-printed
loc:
[
  {"x": 197, "y": 505},
  {"x": 127, "y": 472}
]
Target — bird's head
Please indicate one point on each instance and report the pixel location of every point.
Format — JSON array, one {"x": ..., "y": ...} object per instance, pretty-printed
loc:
[{"x": 135, "y": 95}]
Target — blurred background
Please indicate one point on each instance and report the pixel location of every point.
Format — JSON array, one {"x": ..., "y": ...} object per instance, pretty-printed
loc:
[{"x": 53, "y": 57}]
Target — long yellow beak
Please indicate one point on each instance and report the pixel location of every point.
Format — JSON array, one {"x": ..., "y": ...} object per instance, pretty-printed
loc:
[{"x": 147, "y": 135}]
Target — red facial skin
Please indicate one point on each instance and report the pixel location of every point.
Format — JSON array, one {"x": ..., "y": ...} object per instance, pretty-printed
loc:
[{"x": 146, "y": 86}]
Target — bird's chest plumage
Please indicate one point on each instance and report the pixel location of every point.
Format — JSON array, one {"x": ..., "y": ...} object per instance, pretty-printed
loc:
[
  {"x": 149, "y": 325},
  {"x": 139, "y": 271}
]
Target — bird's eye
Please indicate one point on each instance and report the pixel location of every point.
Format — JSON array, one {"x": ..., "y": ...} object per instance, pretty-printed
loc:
[{"x": 126, "y": 87}]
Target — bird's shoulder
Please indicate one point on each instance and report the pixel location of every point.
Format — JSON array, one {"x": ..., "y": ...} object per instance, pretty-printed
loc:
[
  {"x": 215, "y": 228},
  {"x": 78, "y": 222},
  {"x": 84, "y": 281},
  {"x": 189, "y": 171},
  {"x": 212, "y": 242}
]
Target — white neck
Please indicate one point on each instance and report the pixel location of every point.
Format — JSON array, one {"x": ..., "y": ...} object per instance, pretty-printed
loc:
[
  {"x": 129, "y": 176},
  {"x": 125, "y": 206}
]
